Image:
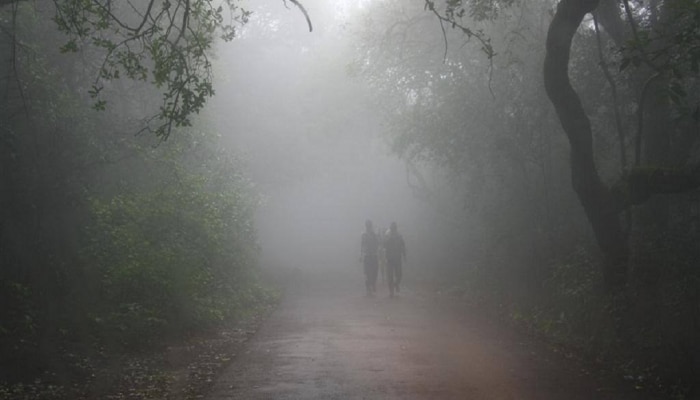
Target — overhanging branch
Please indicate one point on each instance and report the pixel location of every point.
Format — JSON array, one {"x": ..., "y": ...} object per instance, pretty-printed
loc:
[{"x": 303, "y": 10}]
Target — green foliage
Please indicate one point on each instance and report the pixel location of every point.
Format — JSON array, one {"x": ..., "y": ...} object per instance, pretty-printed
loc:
[
  {"x": 671, "y": 47},
  {"x": 575, "y": 311},
  {"x": 535, "y": 253},
  {"x": 168, "y": 44},
  {"x": 455, "y": 14},
  {"x": 105, "y": 239},
  {"x": 181, "y": 255},
  {"x": 665, "y": 294},
  {"x": 18, "y": 319},
  {"x": 478, "y": 10},
  {"x": 35, "y": 391},
  {"x": 647, "y": 334}
]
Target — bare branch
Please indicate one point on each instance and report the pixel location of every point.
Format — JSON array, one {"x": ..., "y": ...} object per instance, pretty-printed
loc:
[
  {"x": 486, "y": 46},
  {"x": 303, "y": 10}
]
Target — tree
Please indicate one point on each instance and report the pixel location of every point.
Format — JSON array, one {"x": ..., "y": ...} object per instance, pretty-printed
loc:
[
  {"x": 167, "y": 44},
  {"x": 87, "y": 210},
  {"x": 609, "y": 267},
  {"x": 667, "y": 56},
  {"x": 602, "y": 203},
  {"x": 484, "y": 121}
]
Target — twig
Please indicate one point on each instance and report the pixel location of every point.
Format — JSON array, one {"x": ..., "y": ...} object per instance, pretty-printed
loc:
[
  {"x": 303, "y": 10},
  {"x": 485, "y": 43}
]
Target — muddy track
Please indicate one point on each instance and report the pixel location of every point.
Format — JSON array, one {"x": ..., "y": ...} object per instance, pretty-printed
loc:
[{"x": 328, "y": 341}]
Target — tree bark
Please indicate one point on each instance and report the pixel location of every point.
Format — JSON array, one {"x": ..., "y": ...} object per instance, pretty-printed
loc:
[
  {"x": 608, "y": 14},
  {"x": 601, "y": 205}
]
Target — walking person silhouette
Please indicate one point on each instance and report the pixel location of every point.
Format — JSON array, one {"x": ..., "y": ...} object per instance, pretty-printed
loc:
[
  {"x": 369, "y": 254},
  {"x": 395, "y": 250}
]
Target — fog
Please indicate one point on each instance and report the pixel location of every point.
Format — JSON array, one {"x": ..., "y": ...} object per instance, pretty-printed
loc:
[
  {"x": 311, "y": 138},
  {"x": 158, "y": 169}
]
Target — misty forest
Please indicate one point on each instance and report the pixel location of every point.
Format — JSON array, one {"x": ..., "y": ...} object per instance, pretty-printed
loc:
[{"x": 196, "y": 196}]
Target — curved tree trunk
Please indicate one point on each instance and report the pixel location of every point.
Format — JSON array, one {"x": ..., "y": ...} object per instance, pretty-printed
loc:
[{"x": 599, "y": 203}]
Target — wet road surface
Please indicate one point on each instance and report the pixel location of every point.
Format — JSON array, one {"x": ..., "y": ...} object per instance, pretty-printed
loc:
[{"x": 328, "y": 341}]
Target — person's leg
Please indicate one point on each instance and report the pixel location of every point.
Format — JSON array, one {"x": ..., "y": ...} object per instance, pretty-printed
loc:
[
  {"x": 390, "y": 278},
  {"x": 367, "y": 278},
  {"x": 398, "y": 276},
  {"x": 371, "y": 274},
  {"x": 374, "y": 271},
  {"x": 382, "y": 269}
]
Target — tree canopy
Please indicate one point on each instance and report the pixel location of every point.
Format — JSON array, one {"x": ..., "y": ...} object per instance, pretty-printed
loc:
[{"x": 167, "y": 44}]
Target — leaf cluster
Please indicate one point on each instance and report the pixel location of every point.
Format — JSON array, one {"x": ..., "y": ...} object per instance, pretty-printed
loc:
[
  {"x": 670, "y": 47},
  {"x": 174, "y": 257},
  {"x": 165, "y": 43},
  {"x": 456, "y": 11}
]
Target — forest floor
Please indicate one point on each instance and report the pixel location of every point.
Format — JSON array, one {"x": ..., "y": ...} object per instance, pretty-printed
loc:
[{"x": 180, "y": 368}]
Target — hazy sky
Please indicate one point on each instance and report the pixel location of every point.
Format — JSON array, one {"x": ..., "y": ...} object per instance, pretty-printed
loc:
[{"x": 311, "y": 137}]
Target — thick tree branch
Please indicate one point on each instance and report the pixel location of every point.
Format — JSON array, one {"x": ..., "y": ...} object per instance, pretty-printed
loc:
[
  {"x": 641, "y": 183},
  {"x": 601, "y": 204},
  {"x": 566, "y": 101}
]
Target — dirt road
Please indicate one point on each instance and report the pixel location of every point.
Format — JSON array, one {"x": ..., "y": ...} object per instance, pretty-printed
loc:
[{"x": 328, "y": 341}]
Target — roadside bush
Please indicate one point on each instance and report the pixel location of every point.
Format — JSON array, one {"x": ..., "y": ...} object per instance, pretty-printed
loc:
[
  {"x": 569, "y": 307},
  {"x": 176, "y": 257}
]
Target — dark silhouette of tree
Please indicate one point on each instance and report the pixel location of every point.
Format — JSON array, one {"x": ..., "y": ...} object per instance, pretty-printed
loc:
[{"x": 602, "y": 203}]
